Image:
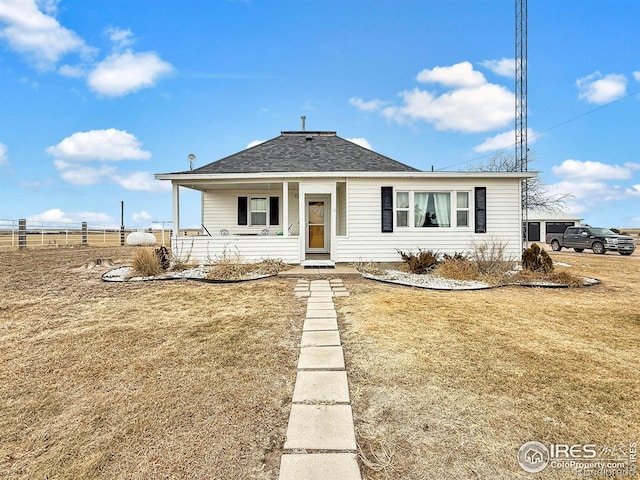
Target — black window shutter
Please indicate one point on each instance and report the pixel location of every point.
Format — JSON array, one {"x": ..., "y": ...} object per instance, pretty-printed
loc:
[
  {"x": 274, "y": 210},
  {"x": 242, "y": 211},
  {"x": 481, "y": 209},
  {"x": 387, "y": 209}
]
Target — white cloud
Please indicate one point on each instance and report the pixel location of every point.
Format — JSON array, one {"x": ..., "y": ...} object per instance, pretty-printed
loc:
[
  {"x": 255, "y": 142},
  {"x": 4, "y": 158},
  {"x": 37, "y": 34},
  {"x": 460, "y": 75},
  {"x": 123, "y": 73},
  {"x": 366, "y": 106},
  {"x": 72, "y": 71},
  {"x": 99, "y": 145},
  {"x": 478, "y": 109},
  {"x": 588, "y": 170},
  {"x": 470, "y": 104},
  {"x": 633, "y": 191},
  {"x": 140, "y": 182},
  {"x": 362, "y": 142},
  {"x": 505, "y": 67},
  {"x": 120, "y": 38},
  {"x": 504, "y": 140},
  {"x": 82, "y": 175},
  {"x": 142, "y": 217},
  {"x": 55, "y": 215},
  {"x": 636, "y": 75},
  {"x": 599, "y": 89}
]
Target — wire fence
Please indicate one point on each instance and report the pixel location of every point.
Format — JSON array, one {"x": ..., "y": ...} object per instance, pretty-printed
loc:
[{"x": 28, "y": 233}]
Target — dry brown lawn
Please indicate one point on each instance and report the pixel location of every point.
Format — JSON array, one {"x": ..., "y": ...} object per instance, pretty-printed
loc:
[
  {"x": 177, "y": 379},
  {"x": 451, "y": 384},
  {"x": 141, "y": 380}
]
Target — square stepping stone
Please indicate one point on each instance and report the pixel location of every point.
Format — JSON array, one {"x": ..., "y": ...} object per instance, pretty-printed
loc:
[
  {"x": 320, "y": 288},
  {"x": 311, "y": 324},
  {"x": 321, "y": 358},
  {"x": 302, "y": 294},
  {"x": 324, "y": 305},
  {"x": 323, "y": 427},
  {"x": 317, "y": 313},
  {"x": 319, "y": 466},
  {"x": 341, "y": 294},
  {"x": 321, "y": 386},
  {"x": 324, "y": 338},
  {"x": 321, "y": 299}
]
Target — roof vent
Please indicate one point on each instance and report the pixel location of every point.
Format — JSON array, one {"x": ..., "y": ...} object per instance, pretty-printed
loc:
[{"x": 309, "y": 138}]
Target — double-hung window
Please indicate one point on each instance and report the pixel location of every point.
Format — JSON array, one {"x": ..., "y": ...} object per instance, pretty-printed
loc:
[
  {"x": 402, "y": 209},
  {"x": 258, "y": 209},
  {"x": 462, "y": 209}
]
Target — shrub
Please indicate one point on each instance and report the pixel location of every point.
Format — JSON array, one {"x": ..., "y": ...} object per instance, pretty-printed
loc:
[
  {"x": 163, "y": 257},
  {"x": 491, "y": 258},
  {"x": 420, "y": 263},
  {"x": 457, "y": 267},
  {"x": 536, "y": 260},
  {"x": 369, "y": 267},
  {"x": 558, "y": 278},
  {"x": 269, "y": 266},
  {"x": 146, "y": 263}
]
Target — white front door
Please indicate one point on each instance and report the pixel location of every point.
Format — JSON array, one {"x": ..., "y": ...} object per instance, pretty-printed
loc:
[{"x": 317, "y": 230}]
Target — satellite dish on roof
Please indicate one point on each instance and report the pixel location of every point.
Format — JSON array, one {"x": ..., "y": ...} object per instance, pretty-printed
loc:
[{"x": 191, "y": 158}]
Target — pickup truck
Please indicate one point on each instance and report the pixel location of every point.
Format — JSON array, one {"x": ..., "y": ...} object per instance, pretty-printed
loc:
[{"x": 599, "y": 240}]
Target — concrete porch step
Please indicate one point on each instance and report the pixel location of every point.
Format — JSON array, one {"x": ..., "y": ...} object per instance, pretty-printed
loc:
[{"x": 318, "y": 264}]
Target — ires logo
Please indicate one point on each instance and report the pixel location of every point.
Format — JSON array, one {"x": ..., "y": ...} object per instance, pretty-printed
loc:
[
  {"x": 586, "y": 459},
  {"x": 558, "y": 451}
]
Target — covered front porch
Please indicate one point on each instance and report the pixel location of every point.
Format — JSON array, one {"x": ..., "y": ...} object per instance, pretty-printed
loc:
[{"x": 263, "y": 218}]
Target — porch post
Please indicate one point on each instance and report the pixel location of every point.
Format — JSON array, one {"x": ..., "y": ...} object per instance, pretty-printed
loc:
[
  {"x": 285, "y": 209},
  {"x": 334, "y": 220},
  {"x": 176, "y": 209}
]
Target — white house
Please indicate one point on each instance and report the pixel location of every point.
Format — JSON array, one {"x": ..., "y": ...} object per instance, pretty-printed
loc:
[{"x": 306, "y": 195}]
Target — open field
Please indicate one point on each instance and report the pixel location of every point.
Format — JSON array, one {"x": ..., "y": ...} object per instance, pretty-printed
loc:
[
  {"x": 451, "y": 384},
  {"x": 35, "y": 238},
  {"x": 191, "y": 380},
  {"x": 146, "y": 380}
]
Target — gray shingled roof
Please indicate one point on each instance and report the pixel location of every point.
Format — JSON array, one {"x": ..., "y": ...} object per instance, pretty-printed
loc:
[{"x": 305, "y": 152}]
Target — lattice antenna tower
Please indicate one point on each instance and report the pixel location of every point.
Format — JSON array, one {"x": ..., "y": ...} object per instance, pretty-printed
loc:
[{"x": 521, "y": 87}]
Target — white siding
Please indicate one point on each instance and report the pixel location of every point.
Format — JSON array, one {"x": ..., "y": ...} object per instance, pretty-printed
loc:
[
  {"x": 365, "y": 241},
  {"x": 207, "y": 250}
]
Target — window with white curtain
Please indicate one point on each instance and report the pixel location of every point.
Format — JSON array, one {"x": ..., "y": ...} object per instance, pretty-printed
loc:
[
  {"x": 258, "y": 209},
  {"x": 432, "y": 209}
]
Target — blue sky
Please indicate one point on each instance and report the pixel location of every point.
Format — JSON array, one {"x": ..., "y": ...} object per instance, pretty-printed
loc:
[{"x": 97, "y": 96}]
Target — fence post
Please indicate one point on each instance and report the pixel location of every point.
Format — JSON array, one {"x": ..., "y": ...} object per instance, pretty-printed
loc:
[
  {"x": 84, "y": 234},
  {"x": 22, "y": 233}
]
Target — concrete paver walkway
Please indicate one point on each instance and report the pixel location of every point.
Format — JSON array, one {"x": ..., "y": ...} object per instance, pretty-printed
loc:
[{"x": 320, "y": 435}]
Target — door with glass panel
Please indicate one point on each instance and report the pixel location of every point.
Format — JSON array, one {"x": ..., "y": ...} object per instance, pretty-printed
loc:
[{"x": 316, "y": 226}]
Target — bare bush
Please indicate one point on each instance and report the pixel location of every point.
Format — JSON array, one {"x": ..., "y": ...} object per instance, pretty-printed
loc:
[
  {"x": 491, "y": 259},
  {"x": 229, "y": 266},
  {"x": 369, "y": 267},
  {"x": 457, "y": 268}
]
